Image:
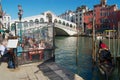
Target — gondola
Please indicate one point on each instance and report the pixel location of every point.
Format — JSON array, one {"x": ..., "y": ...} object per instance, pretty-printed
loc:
[{"x": 105, "y": 62}]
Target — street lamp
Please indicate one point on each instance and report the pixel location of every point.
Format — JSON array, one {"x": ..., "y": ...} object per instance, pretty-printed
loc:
[
  {"x": 20, "y": 13},
  {"x": 1, "y": 25},
  {"x": 1, "y": 15}
]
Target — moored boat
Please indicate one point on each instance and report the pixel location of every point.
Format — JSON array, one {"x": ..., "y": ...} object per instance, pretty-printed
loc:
[
  {"x": 105, "y": 62},
  {"x": 110, "y": 34}
]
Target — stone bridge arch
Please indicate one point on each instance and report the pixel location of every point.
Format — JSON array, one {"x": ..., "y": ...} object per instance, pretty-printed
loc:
[
  {"x": 63, "y": 30},
  {"x": 60, "y": 32}
]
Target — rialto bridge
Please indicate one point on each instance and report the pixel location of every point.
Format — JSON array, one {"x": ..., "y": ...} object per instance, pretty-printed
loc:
[{"x": 28, "y": 24}]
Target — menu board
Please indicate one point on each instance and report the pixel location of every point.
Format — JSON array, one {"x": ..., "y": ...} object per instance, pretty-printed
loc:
[{"x": 12, "y": 43}]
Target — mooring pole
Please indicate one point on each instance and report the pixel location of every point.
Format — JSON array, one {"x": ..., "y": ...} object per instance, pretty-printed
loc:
[
  {"x": 93, "y": 41},
  {"x": 118, "y": 36},
  {"x": 77, "y": 46},
  {"x": 54, "y": 42}
]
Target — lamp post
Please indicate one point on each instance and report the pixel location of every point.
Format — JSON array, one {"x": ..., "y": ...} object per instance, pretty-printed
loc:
[
  {"x": 93, "y": 40},
  {"x": 20, "y": 13},
  {"x": 1, "y": 14},
  {"x": 1, "y": 25}
]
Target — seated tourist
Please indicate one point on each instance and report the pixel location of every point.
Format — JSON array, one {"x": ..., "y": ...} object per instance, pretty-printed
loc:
[{"x": 41, "y": 45}]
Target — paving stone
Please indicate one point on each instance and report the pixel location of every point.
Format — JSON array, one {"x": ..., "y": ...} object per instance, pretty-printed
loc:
[
  {"x": 51, "y": 74},
  {"x": 37, "y": 71},
  {"x": 60, "y": 73},
  {"x": 54, "y": 67},
  {"x": 65, "y": 78},
  {"x": 56, "y": 78}
]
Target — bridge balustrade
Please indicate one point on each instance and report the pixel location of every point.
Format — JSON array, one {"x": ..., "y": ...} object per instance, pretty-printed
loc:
[{"x": 66, "y": 27}]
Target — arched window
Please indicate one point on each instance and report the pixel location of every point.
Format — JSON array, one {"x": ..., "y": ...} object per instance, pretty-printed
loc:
[
  {"x": 55, "y": 20},
  {"x": 36, "y": 21},
  {"x": 31, "y": 22},
  {"x": 63, "y": 22},
  {"x": 41, "y": 20},
  {"x": 59, "y": 21},
  {"x": 8, "y": 18},
  {"x": 25, "y": 24},
  {"x": 49, "y": 16},
  {"x": 70, "y": 25},
  {"x": 67, "y": 24},
  {"x": 5, "y": 18}
]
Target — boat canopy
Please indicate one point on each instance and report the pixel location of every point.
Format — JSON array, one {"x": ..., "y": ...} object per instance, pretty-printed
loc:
[{"x": 110, "y": 30}]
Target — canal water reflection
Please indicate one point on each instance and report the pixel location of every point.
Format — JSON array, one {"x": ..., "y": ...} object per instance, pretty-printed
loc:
[{"x": 65, "y": 54}]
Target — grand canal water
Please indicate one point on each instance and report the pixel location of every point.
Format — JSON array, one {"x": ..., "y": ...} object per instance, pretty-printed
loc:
[{"x": 81, "y": 63}]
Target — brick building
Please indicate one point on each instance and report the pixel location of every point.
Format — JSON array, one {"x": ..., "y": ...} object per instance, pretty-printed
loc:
[
  {"x": 88, "y": 16},
  {"x": 118, "y": 16},
  {"x": 106, "y": 16}
]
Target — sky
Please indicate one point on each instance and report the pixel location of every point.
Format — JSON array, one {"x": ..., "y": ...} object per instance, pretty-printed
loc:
[{"x": 36, "y": 7}]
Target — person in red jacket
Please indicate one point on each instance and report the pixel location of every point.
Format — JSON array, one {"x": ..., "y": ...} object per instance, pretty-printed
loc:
[
  {"x": 103, "y": 45},
  {"x": 104, "y": 53}
]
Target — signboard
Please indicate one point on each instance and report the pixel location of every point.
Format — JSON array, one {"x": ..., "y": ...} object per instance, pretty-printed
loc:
[{"x": 12, "y": 43}]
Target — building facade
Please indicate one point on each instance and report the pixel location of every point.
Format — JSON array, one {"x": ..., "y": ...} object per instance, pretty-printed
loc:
[
  {"x": 79, "y": 18},
  {"x": 76, "y": 16},
  {"x": 88, "y": 23},
  {"x": 6, "y": 21},
  {"x": 106, "y": 17},
  {"x": 68, "y": 15},
  {"x": 118, "y": 17}
]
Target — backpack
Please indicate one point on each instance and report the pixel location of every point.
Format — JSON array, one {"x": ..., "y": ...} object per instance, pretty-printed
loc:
[{"x": 11, "y": 64}]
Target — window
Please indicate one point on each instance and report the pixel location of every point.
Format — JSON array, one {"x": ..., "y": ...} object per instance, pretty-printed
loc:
[
  {"x": 70, "y": 25},
  {"x": 90, "y": 19},
  {"x": 80, "y": 15},
  {"x": 41, "y": 20},
  {"x": 36, "y": 21},
  {"x": 25, "y": 24},
  {"x": 101, "y": 13},
  {"x": 59, "y": 21},
  {"x": 63, "y": 22},
  {"x": 8, "y": 18},
  {"x": 55, "y": 20},
  {"x": 67, "y": 24},
  {"x": 5, "y": 18},
  {"x": 94, "y": 14},
  {"x": 80, "y": 23},
  {"x": 80, "y": 18},
  {"x": 31, "y": 22}
]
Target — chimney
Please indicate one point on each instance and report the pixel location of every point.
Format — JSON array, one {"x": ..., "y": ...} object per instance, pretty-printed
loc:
[{"x": 103, "y": 2}]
